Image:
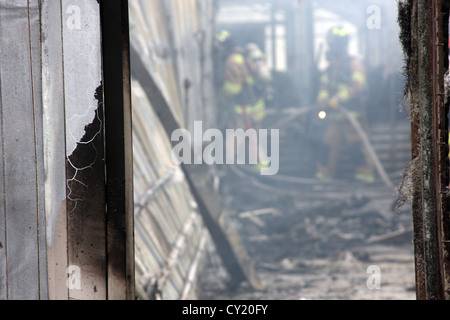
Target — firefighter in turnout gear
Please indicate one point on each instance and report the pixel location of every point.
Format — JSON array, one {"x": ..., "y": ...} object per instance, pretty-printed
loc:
[
  {"x": 342, "y": 85},
  {"x": 260, "y": 71},
  {"x": 239, "y": 88},
  {"x": 242, "y": 103}
]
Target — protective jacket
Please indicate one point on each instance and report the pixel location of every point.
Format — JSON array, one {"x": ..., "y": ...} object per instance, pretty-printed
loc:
[
  {"x": 341, "y": 85},
  {"x": 239, "y": 87}
]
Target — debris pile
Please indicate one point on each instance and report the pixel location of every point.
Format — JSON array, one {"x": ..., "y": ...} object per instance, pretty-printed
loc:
[{"x": 319, "y": 243}]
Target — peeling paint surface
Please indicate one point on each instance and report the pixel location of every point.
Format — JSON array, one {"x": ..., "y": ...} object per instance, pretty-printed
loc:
[
  {"x": 81, "y": 39},
  {"x": 81, "y": 163},
  {"x": 85, "y": 166}
]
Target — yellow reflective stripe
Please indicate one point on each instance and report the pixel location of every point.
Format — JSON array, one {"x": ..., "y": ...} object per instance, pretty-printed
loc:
[
  {"x": 223, "y": 36},
  {"x": 259, "y": 106},
  {"x": 324, "y": 79},
  {"x": 343, "y": 93},
  {"x": 323, "y": 94},
  {"x": 365, "y": 177},
  {"x": 238, "y": 58},
  {"x": 250, "y": 80},
  {"x": 359, "y": 77},
  {"x": 259, "y": 116},
  {"x": 258, "y": 110},
  {"x": 340, "y": 32},
  {"x": 232, "y": 88}
]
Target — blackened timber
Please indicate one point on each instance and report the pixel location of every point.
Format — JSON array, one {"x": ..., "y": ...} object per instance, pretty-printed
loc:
[
  {"x": 118, "y": 149},
  {"x": 419, "y": 258},
  {"x": 428, "y": 153},
  {"x": 86, "y": 209},
  {"x": 445, "y": 218},
  {"x": 440, "y": 138},
  {"x": 85, "y": 168},
  {"x": 415, "y": 140},
  {"x": 407, "y": 19}
]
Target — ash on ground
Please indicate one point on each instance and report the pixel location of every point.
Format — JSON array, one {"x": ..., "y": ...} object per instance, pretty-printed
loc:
[{"x": 316, "y": 241}]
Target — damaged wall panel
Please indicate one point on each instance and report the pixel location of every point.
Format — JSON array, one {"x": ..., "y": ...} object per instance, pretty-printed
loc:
[
  {"x": 170, "y": 235},
  {"x": 66, "y": 227},
  {"x": 57, "y": 240},
  {"x": 23, "y": 273},
  {"x": 83, "y": 98}
]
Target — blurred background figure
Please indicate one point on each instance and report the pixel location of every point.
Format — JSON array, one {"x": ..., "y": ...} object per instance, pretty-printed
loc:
[
  {"x": 261, "y": 72},
  {"x": 236, "y": 83},
  {"x": 240, "y": 89},
  {"x": 242, "y": 82},
  {"x": 342, "y": 85}
]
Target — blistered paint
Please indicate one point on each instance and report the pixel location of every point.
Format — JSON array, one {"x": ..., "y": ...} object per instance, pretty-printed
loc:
[{"x": 82, "y": 65}]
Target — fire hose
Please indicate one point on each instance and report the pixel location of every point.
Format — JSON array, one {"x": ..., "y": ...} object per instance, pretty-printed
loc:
[
  {"x": 360, "y": 131},
  {"x": 368, "y": 145}
]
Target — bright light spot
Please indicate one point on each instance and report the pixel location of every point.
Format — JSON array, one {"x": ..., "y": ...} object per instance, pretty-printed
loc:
[{"x": 322, "y": 115}]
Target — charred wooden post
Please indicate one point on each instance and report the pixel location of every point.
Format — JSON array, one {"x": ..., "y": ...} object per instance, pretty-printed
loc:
[
  {"x": 427, "y": 151},
  {"x": 407, "y": 20},
  {"x": 423, "y": 25},
  {"x": 118, "y": 148},
  {"x": 440, "y": 134}
]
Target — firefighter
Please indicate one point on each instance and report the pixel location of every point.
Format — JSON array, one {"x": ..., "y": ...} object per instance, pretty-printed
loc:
[
  {"x": 242, "y": 104},
  {"x": 239, "y": 88},
  {"x": 342, "y": 85},
  {"x": 238, "y": 100},
  {"x": 260, "y": 71}
]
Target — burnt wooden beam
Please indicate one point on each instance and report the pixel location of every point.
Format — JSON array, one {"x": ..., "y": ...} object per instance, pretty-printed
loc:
[
  {"x": 427, "y": 152},
  {"x": 118, "y": 148},
  {"x": 424, "y": 36},
  {"x": 427, "y": 63},
  {"x": 440, "y": 139},
  {"x": 407, "y": 19}
]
